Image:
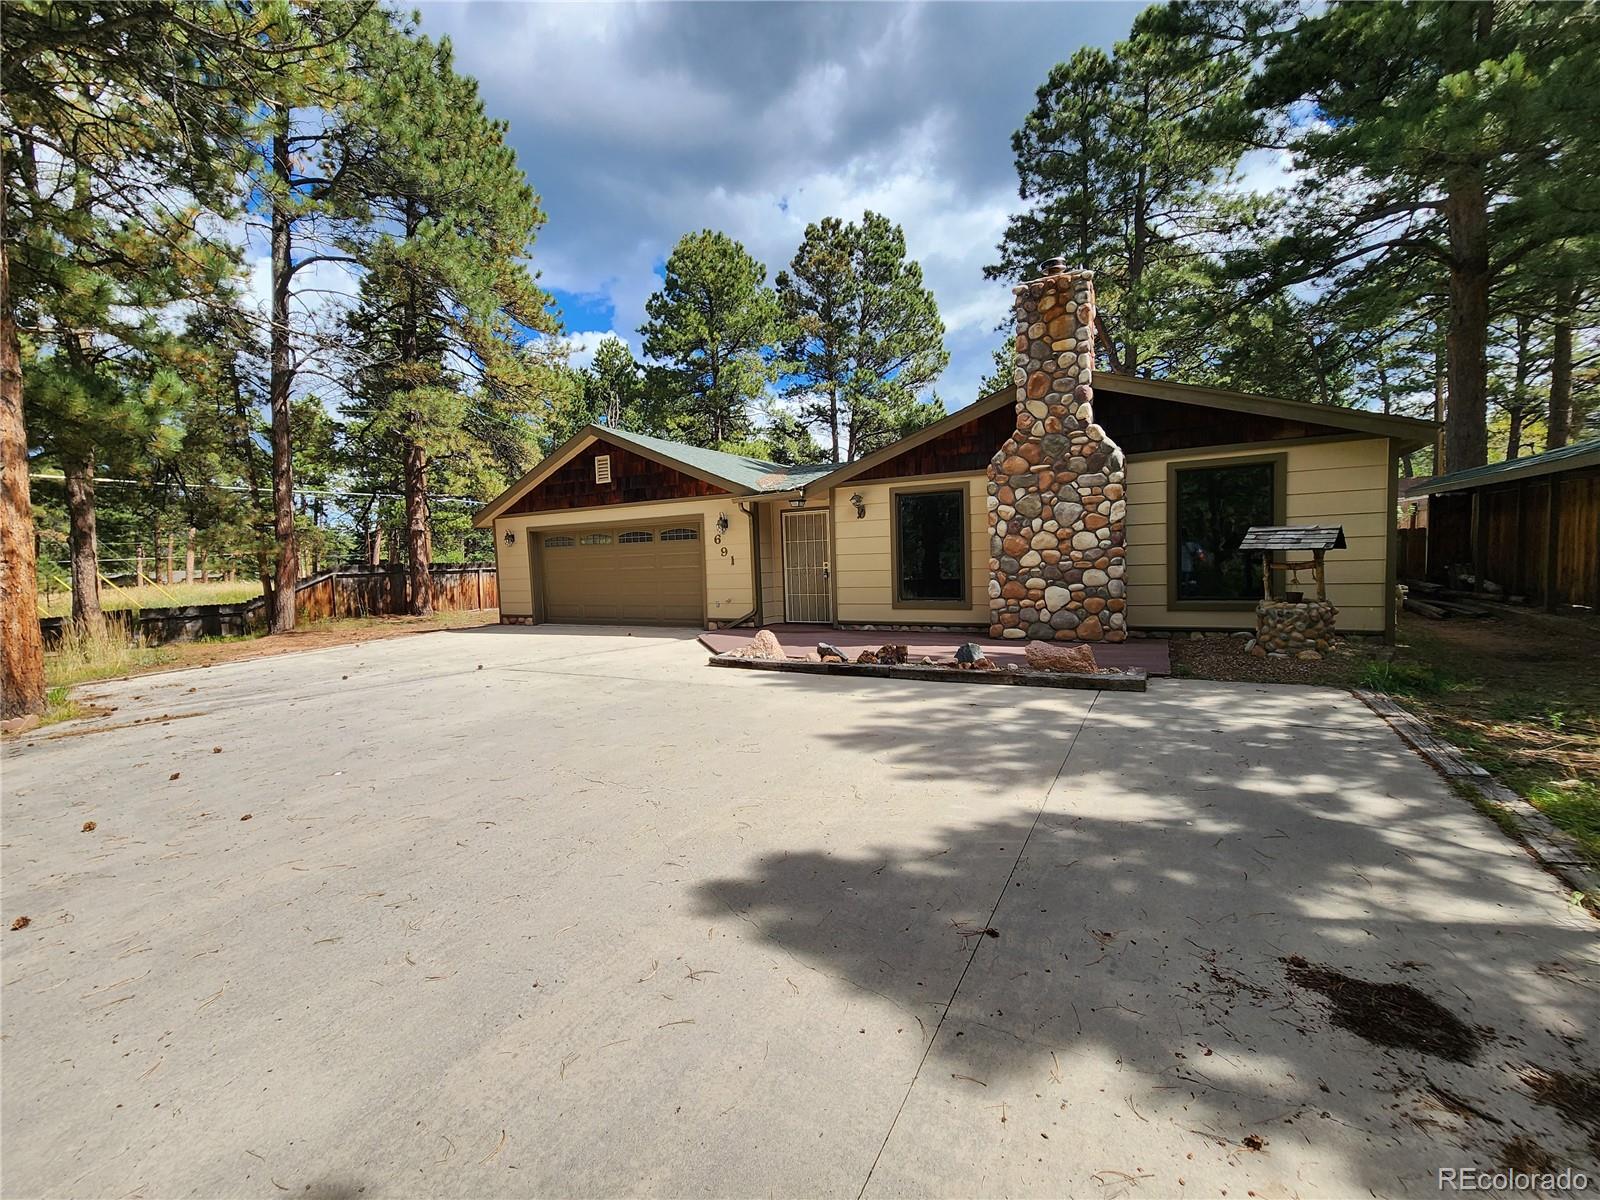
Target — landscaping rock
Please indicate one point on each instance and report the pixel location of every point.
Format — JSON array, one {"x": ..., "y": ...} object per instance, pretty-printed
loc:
[
  {"x": 827, "y": 652},
  {"x": 1048, "y": 656},
  {"x": 765, "y": 644},
  {"x": 894, "y": 654},
  {"x": 968, "y": 653},
  {"x": 20, "y": 724}
]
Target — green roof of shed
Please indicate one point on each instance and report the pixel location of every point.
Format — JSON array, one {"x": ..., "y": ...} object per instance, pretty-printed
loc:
[
  {"x": 754, "y": 473},
  {"x": 1567, "y": 458}
]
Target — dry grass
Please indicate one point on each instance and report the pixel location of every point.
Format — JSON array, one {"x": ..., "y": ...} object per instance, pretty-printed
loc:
[
  {"x": 155, "y": 595},
  {"x": 83, "y": 659},
  {"x": 100, "y": 654}
]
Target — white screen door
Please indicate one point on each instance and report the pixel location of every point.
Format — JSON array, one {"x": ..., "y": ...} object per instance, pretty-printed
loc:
[{"x": 806, "y": 598}]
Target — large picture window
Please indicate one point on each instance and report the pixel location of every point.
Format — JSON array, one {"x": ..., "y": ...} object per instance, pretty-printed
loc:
[
  {"x": 1212, "y": 507},
  {"x": 930, "y": 542}
]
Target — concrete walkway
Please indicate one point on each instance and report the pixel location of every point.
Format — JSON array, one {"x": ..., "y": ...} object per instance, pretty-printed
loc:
[{"x": 541, "y": 911}]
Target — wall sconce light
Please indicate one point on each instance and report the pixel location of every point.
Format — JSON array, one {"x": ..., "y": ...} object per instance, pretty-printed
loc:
[
  {"x": 511, "y": 538},
  {"x": 722, "y": 522},
  {"x": 860, "y": 505},
  {"x": 797, "y": 502}
]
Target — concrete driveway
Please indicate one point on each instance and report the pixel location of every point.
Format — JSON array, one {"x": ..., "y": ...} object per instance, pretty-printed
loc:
[{"x": 544, "y": 911}]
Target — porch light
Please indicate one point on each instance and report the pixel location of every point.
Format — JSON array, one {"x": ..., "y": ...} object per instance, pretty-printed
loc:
[
  {"x": 797, "y": 501},
  {"x": 860, "y": 505},
  {"x": 511, "y": 538},
  {"x": 722, "y": 522}
]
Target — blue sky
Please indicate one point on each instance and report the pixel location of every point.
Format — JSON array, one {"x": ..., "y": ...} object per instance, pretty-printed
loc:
[{"x": 638, "y": 123}]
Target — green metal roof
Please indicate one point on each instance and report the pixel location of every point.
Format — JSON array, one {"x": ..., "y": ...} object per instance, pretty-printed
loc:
[
  {"x": 1567, "y": 458},
  {"x": 754, "y": 473}
]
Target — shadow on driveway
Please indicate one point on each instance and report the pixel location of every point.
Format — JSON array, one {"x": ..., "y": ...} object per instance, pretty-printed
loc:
[{"x": 1235, "y": 919}]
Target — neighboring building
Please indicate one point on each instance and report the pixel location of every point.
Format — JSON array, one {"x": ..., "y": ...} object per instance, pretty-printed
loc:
[
  {"x": 1528, "y": 527},
  {"x": 1066, "y": 507}
]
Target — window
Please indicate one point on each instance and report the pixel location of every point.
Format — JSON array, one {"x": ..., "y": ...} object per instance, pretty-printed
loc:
[
  {"x": 635, "y": 536},
  {"x": 557, "y": 543},
  {"x": 1212, "y": 507},
  {"x": 595, "y": 539},
  {"x": 680, "y": 535},
  {"x": 602, "y": 468},
  {"x": 930, "y": 548}
]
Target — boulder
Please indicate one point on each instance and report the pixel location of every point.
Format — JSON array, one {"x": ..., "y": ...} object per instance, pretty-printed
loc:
[
  {"x": 894, "y": 654},
  {"x": 827, "y": 651},
  {"x": 968, "y": 653},
  {"x": 1050, "y": 656},
  {"x": 765, "y": 644}
]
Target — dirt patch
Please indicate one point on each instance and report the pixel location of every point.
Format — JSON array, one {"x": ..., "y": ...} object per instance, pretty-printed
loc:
[
  {"x": 1388, "y": 1014},
  {"x": 1226, "y": 659}
]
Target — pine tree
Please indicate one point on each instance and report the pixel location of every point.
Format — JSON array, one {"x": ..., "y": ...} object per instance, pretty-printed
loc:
[
  {"x": 1457, "y": 138},
  {"x": 1124, "y": 163},
  {"x": 447, "y": 300},
  {"x": 862, "y": 335},
  {"x": 710, "y": 333},
  {"x": 150, "y": 98}
]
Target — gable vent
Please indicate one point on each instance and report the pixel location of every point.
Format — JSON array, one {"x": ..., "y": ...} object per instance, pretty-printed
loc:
[{"x": 602, "y": 468}]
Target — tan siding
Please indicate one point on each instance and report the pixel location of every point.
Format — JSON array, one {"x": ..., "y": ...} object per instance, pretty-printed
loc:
[
  {"x": 1337, "y": 483},
  {"x": 728, "y": 584},
  {"x": 771, "y": 563},
  {"x": 863, "y": 556},
  {"x": 511, "y": 563}
]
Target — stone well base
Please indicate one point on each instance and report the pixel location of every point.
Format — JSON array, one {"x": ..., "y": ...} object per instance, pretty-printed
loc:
[{"x": 1284, "y": 628}]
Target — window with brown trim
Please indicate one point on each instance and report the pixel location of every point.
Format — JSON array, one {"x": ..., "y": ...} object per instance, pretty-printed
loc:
[{"x": 930, "y": 538}]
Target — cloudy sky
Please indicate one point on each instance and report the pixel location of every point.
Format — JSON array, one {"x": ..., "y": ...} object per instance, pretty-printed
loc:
[{"x": 639, "y": 123}]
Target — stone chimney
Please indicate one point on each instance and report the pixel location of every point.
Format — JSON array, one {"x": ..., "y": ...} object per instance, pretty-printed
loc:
[{"x": 1056, "y": 504}]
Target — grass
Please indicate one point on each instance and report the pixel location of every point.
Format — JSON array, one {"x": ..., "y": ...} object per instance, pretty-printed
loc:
[
  {"x": 83, "y": 657},
  {"x": 155, "y": 595},
  {"x": 1520, "y": 695}
]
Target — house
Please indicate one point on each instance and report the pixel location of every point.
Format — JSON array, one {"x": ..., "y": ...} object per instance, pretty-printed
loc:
[
  {"x": 1527, "y": 526},
  {"x": 1067, "y": 507}
]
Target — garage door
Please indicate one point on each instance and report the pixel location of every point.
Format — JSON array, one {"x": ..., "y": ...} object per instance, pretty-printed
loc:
[{"x": 628, "y": 573}]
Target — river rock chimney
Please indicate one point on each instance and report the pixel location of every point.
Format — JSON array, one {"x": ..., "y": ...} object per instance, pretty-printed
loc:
[{"x": 1056, "y": 501}]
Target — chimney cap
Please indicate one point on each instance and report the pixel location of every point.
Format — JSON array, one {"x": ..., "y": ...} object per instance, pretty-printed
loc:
[{"x": 1054, "y": 266}]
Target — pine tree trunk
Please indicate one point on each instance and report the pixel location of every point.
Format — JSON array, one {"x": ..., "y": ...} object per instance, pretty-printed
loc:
[
  {"x": 21, "y": 643},
  {"x": 82, "y": 551},
  {"x": 282, "y": 379},
  {"x": 419, "y": 544},
  {"x": 1560, "y": 423},
  {"x": 1466, "y": 435},
  {"x": 1514, "y": 433},
  {"x": 188, "y": 557}
]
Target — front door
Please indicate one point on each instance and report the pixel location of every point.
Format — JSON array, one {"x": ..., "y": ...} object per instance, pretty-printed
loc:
[{"x": 807, "y": 598}]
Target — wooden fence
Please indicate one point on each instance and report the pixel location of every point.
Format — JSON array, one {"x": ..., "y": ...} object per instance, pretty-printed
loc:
[
  {"x": 377, "y": 591},
  {"x": 1537, "y": 538}
]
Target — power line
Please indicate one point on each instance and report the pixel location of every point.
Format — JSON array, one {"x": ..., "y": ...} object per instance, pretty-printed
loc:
[{"x": 57, "y": 477}]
